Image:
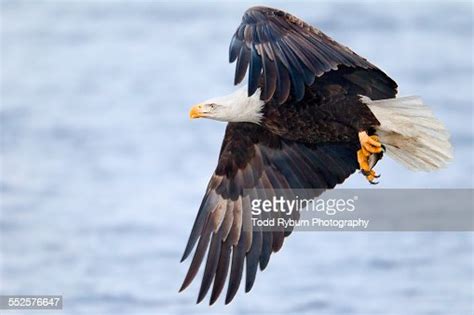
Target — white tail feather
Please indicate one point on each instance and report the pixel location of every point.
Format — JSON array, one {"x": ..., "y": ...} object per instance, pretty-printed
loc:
[{"x": 410, "y": 132}]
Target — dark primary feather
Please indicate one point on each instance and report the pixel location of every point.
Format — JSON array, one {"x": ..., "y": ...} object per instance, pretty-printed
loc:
[
  {"x": 211, "y": 264},
  {"x": 255, "y": 160},
  {"x": 284, "y": 54}
]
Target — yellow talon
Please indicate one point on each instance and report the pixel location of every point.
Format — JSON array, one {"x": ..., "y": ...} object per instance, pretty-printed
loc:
[
  {"x": 363, "y": 160},
  {"x": 365, "y": 152},
  {"x": 368, "y": 145}
]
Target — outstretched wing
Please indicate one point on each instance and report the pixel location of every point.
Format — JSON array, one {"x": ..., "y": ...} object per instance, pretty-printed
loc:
[
  {"x": 254, "y": 159},
  {"x": 284, "y": 54}
]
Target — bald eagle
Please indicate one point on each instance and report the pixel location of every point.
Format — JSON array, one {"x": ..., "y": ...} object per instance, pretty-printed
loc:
[{"x": 313, "y": 112}]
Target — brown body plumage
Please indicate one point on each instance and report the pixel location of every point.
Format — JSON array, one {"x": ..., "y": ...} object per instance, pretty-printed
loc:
[{"x": 331, "y": 110}]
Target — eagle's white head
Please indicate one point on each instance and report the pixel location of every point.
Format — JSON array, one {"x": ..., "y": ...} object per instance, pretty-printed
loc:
[{"x": 235, "y": 107}]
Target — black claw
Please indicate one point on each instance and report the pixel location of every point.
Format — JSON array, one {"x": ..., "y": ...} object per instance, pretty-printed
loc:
[
  {"x": 383, "y": 148},
  {"x": 373, "y": 183},
  {"x": 365, "y": 173}
]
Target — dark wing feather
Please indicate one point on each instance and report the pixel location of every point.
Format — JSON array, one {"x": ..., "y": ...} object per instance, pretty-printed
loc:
[
  {"x": 222, "y": 271},
  {"x": 259, "y": 162},
  {"x": 252, "y": 260},
  {"x": 271, "y": 36},
  {"x": 211, "y": 264}
]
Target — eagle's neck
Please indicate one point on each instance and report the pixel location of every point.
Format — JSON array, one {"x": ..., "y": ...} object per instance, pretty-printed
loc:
[{"x": 239, "y": 107}]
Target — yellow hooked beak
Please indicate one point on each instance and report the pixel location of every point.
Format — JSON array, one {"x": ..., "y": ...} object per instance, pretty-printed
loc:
[{"x": 196, "y": 112}]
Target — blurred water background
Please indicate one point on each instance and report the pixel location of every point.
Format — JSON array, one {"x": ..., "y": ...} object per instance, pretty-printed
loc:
[{"x": 102, "y": 171}]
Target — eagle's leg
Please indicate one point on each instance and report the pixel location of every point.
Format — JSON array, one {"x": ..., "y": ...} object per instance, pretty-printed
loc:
[{"x": 368, "y": 145}]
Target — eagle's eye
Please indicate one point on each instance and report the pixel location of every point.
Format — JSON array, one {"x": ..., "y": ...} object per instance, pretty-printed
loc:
[{"x": 212, "y": 106}]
